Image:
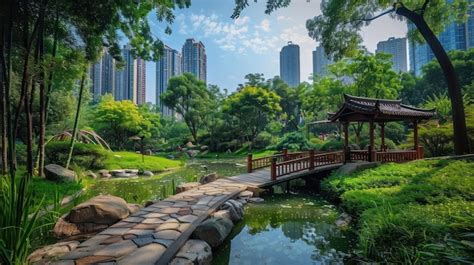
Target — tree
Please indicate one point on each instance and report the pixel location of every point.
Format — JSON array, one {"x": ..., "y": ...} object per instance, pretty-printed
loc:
[
  {"x": 255, "y": 80},
  {"x": 189, "y": 97},
  {"x": 253, "y": 107},
  {"x": 340, "y": 22}
]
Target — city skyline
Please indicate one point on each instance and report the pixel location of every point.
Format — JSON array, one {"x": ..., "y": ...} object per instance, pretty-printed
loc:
[
  {"x": 398, "y": 48},
  {"x": 290, "y": 64}
]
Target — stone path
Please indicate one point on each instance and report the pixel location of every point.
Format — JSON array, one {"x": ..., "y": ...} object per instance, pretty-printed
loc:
[{"x": 155, "y": 233}]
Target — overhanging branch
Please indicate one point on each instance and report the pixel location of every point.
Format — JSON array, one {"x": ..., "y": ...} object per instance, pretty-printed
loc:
[{"x": 375, "y": 17}]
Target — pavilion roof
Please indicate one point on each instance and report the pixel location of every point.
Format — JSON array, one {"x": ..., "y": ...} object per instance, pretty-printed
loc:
[{"x": 378, "y": 110}]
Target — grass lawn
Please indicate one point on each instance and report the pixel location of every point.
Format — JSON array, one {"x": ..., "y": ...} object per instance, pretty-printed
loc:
[
  {"x": 129, "y": 160},
  {"x": 417, "y": 212},
  {"x": 239, "y": 154}
]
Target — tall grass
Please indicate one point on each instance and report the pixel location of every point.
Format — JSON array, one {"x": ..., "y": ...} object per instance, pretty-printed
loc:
[{"x": 16, "y": 223}]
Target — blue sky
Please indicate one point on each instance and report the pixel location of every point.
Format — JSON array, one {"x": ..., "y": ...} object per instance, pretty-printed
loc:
[{"x": 251, "y": 44}]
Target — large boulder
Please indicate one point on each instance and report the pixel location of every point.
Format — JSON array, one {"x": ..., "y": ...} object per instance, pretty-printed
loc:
[
  {"x": 235, "y": 209},
  {"x": 208, "y": 178},
  {"x": 213, "y": 230},
  {"x": 46, "y": 254},
  {"x": 186, "y": 186},
  {"x": 58, "y": 173},
  {"x": 93, "y": 215},
  {"x": 196, "y": 251}
]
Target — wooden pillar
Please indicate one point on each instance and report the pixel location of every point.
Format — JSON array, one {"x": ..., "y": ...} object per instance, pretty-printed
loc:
[
  {"x": 249, "y": 163},
  {"x": 415, "y": 135},
  {"x": 382, "y": 135},
  {"x": 346, "y": 142},
  {"x": 285, "y": 154},
  {"x": 311, "y": 159},
  {"x": 273, "y": 168},
  {"x": 371, "y": 143}
]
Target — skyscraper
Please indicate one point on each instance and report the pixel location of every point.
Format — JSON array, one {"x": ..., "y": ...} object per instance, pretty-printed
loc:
[
  {"x": 397, "y": 47},
  {"x": 125, "y": 79},
  {"x": 102, "y": 76},
  {"x": 320, "y": 61},
  {"x": 194, "y": 59},
  {"x": 290, "y": 64},
  {"x": 169, "y": 65},
  {"x": 454, "y": 37},
  {"x": 141, "y": 81}
]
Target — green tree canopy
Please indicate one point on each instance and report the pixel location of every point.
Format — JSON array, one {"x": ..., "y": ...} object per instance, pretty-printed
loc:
[
  {"x": 253, "y": 108},
  {"x": 189, "y": 97}
]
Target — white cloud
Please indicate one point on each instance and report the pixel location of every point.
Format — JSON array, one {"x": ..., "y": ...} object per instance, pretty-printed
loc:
[
  {"x": 283, "y": 18},
  {"x": 264, "y": 25}
]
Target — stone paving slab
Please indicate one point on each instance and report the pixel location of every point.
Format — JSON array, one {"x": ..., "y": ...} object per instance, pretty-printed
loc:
[{"x": 154, "y": 234}]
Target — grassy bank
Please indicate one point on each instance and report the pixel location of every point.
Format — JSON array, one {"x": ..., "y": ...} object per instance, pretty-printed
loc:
[
  {"x": 238, "y": 154},
  {"x": 126, "y": 160},
  {"x": 418, "y": 212}
]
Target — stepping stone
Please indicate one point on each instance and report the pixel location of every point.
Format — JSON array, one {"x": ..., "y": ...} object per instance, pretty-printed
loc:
[
  {"x": 94, "y": 241},
  {"x": 143, "y": 241},
  {"x": 114, "y": 231},
  {"x": 168, "y": 210},
  {"x": 140, "y": 232},
  {"x": 200, "y": 207},
  {"x": 165, "y": 242},
  {"x": 167, "y": 234},
  {"x": 147, "y": 255},
  {"x": 183, "y": 227},
  {"x": 187, "y": 219},
  {"x": 205, "y": 200},
  {"x": 133, "y": 219},
  {"x": 167, "y": 226},
  {"x": 152, "y": 221},
  {"x": 184, "y": 211},
  {"x": 122, "y": 225},
  {"x": 118, "y": 249},
  {"x": 93, "y": 260},
  {"x": 154, "y": 215},
  {"x": 146, "y": 226},
  {"x": 111, "y": 240}
]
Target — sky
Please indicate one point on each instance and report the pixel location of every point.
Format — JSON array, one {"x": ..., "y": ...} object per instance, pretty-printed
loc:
[{"x": 252, "y": 43}]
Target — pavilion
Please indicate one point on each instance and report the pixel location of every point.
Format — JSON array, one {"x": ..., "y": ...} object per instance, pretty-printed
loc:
[{"x": 379, "y": 111}]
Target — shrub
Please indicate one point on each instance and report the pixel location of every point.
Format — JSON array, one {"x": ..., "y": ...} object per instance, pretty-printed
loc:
[
  {"x": 332, "y": 145},
  {"x": 294, "y": 141},
  {"x": 88, "y": 156}
]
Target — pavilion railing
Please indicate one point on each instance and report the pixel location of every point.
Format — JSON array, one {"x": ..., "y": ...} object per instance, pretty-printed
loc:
[{"x": 359, "y": 155}]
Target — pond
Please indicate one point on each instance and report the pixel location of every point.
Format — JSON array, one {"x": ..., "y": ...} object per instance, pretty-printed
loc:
[
  {"x": 141, "y": 189},
  {"x": 287, "y": 229}
]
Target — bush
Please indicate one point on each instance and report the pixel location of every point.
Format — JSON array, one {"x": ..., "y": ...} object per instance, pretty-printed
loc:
[
  {"x": 88, "y": 156},
  {"x": 389, "y": 143},
  {"x": 333, "y": 145},
  {"x": 294, "y": 141}
]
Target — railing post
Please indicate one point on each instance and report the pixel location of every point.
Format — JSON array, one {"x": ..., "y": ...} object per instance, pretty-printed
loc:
[
  {"x": 311, "y": 159},
  {"x": 249, "y": 163},
  {"x": 285, "y": 154},
  {"x": 420, "y": 152},
  {"x": 273, "y": 168}
]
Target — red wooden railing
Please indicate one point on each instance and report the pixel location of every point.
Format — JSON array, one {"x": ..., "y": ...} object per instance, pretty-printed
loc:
[{"x": 285, "y": 163}]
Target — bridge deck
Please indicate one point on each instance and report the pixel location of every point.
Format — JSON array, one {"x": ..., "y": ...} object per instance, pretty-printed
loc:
[{"x": 155, "y": 234}]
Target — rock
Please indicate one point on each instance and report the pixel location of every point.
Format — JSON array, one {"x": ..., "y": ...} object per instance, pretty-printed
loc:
[
  {"x": 148, "y": 203},
  {"x": 235, "y": 214},
  {"x": 222, "y": 214},
  {"x": 102, "y": 172},
  {"x": 208, "y": 178},
  {"x": 204, "y": 147},
  {"x": 103, "y": 209},
  {"x": 242, "y": 201},
  {"x": 352, "y": 167},
  {"x": 186, "y": 186},
  {"x": 57, "y": 173},
  {"x": 343, "y": 220},
  {"x": 180, "y": 261},
  {"x": 48, "y": 253},
  {"x": 116, "y": 171},
  {"x": 246, "y": 194},
  {"x": 133, "y": 172},
  {"x": 213, "y": 230},
  {"x": 256, "y": 200},
  {"x": 133, "y": 208},
  {"x": 63, "y": 229},
  {"x": 122, "y": 175},
  {"x": 238, "y": 206},
  {"x": 147, "y": 174},
  {"x": 106, "y": 176},
  {"x": 148, "y": 152},
  {"x": 91, "y": 174},
  {"x": 256, "y": 191},
  {"x": 197, "y": 251}
]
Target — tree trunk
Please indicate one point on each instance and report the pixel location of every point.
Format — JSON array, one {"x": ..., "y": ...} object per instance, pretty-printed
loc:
[
  {"x": 7, "y": 74},
  {"x": 461, "y": 143},
  {"x": 42, "y": 103},
  {"x": 76, "y": 119},
  {"x": 3, "y": 102}
]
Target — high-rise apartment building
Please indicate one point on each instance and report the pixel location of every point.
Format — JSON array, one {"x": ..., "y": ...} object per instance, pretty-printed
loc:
[
  {"x": 397, "y": 47},
  {"x": 102, "y": 75},
  {"x": 290, "y": 64},
  {"x": 169, "y": 65},
  {"x": 454, "y": 37},
  {"x": 194, "y": 59},
  {"x": 141, "y": 81},
  {"x": 320, "y": 61}
]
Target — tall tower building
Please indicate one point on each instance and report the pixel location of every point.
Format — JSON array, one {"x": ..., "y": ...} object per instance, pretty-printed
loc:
[
  {"x": 125, "y": 81},
  {"x": 397, "y": 47},
  {"x": 194, "y": 59},
  {"x": 454, "y": 37},
  {"x": 169, "y": 65},
  {"x": 320, "y": 61},
  {"x": 141, "y": 81},
  {"x": 290, "y": 64},
  {"x": 102, "y": 75}
]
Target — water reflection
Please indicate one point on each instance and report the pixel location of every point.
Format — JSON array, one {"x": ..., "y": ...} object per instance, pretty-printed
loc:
[{"x": 286, "y": 229}]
